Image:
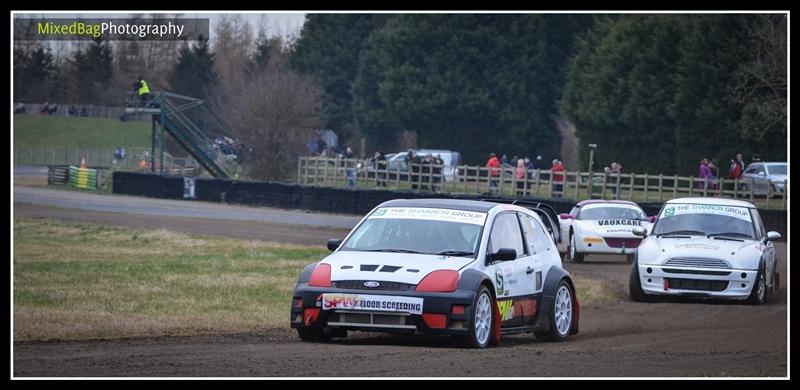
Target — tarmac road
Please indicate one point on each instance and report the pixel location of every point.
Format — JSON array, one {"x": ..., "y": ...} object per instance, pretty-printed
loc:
[{"x": 621, "y": 338}]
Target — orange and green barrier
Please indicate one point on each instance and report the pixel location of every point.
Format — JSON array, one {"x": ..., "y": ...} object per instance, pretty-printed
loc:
[{"x": 83, "y": 178}]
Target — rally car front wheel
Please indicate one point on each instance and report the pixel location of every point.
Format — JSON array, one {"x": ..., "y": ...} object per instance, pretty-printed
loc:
[
  {"x": 314, "y": 334},
  {"x": 480, "y": 333},
  {"x": 572, "y": 252},
  {"x": 759, "y": 294}
]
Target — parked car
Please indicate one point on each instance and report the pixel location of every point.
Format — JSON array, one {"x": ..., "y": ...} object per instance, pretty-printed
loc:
[
  {"x": 763, "y": 174},
  {"x": 706, "y": 247},
  {"x": 602, "y": 227},
  {"x": 471, "y": 269}
]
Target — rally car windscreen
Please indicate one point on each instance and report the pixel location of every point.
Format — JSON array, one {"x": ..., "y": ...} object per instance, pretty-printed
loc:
[
  {"x": 610, "y": 212},
  {"x": 419, "y": 230},
  {"x": 705, "y": 220}
]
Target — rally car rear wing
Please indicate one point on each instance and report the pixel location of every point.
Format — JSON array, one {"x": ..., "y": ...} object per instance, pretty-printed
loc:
[{"x": 546, "y": 212}]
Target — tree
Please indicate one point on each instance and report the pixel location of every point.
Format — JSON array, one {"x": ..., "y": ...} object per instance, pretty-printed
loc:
[
  {"x": 274, "y": 118},
  {"x": 328, "y": 49},
  {"x": 455, "y": 79},
  {"x": 617, "y": 88},
  {"x": 760, "y": 86},
  {"x": 34, "y": 73},
  {"x": 194, "y": 74}
]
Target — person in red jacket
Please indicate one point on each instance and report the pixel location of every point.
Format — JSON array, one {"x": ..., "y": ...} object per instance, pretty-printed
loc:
[
  {"x": 558, "y": 178},
  {"x": 494, "y": 171}
]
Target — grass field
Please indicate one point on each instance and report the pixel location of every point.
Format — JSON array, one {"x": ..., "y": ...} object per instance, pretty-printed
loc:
[
  {"x": 43, "y": 130},
  {"x": 77, "y": 281},
  {"x": 88, "y": 281}
]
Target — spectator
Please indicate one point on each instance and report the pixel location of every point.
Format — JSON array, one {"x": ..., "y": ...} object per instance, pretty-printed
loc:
[
  {"x": 504, "y": 160},
  {"x": 312, "y": 146},
  {"x": 20, "y": 109},
  {"x": 733, "y": 170},
  {"x": 84, "y": 113},
  {"x": 48, "y": 109},
  {"x": 539, "y": 164},
  {"x": 521, "y": 176},
  {"x": 558, "y": 178},
  {"x": 616, "y": 171},
  {"x": 740, "y": 162},
  {"x": 72, "y": 111},
  {"x": 528, "y": 163},
  {"x": 349, "y": 153},
  {"x": 380, "y": 168},
  {"x": 714, "y": 168},
  {"x": 705, "y": 173},
  {"x": 494, "y": 171}
]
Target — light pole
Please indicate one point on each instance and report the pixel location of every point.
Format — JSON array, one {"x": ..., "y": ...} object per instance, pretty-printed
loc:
[{"x": 590, "y": 186}]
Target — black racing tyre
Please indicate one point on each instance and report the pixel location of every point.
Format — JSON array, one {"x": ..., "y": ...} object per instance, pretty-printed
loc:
[
  {"x": 758, "y": 296},
  {"x": 482, "y": 324},
  {"x": 560, "y": 318},
  {"x": 572, "y": 253},
  {"x": 629, "y": 258},
  {"x": 313, "y": 334},
  {"x": 635, "y": 286}
]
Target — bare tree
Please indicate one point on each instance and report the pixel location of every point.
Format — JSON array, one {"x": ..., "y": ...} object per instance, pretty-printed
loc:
[
  {"x": 760, "y": 84},
  {"x": 569, "y": 143},
  {"x": 273, "y": 118}
]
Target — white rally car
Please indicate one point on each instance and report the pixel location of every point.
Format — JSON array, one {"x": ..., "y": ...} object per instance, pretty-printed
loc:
[
  {"x": 602, "y": 227},
  {"x": 706, "y": 247},
  {"x": 471, "y": 269}
]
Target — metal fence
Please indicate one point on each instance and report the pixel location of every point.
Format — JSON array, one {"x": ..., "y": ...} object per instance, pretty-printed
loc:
[
  {"x": 575, "y": 185},
  {"x": 95, "y": 157}
]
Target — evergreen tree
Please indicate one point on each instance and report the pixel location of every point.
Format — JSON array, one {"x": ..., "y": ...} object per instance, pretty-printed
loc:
[{"x": 194, "y": 73}]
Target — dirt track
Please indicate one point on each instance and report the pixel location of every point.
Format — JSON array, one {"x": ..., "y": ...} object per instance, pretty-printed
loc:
[{"x": 616, "y": 339}]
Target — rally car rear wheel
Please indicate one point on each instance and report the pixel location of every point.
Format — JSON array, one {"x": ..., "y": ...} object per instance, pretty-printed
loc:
[
  {"x": 561, "y": 317},
  {"x": 573, "y": 254}
]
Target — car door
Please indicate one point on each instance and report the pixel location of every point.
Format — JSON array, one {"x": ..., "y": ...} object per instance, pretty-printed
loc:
[
  {"x": 761, "y": 180},
  {"x": 509, "y": 276},
  {"x": 771, "y": 261}
]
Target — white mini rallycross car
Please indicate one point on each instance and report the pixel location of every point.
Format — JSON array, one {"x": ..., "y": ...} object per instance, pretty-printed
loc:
[
  {"x": 706, "y": 247},
  {"x": 470, "y": 269},
  {"x": 602, "y": 227}
]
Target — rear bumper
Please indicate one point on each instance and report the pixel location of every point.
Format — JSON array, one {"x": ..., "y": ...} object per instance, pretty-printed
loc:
[
  {"x": 706, "y": 282},
  {"x": 437, "y": 312}
]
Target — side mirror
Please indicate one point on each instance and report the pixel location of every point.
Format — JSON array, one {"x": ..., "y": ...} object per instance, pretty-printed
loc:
[
  {"x": 773, "y": 236},
  {"x": 652, "y": 218},
  {"x": 503, "y": 254},
  {"x": 333, "y": 244},
  {"x": 566, "y": 216},
  {"x": 639, "y": 231}
]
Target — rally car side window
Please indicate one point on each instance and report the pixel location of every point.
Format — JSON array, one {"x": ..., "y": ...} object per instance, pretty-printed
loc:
[
  {"x": 538, "y": 238},
  {"x": 506, "y": 234}
]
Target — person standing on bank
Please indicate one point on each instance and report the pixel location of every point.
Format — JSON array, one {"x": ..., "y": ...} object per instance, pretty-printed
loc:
[{"x": 143, "y": 89}]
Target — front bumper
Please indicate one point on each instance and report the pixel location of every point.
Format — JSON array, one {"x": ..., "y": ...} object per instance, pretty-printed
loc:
[
  {"x": 437, "y": 312},
  {"x": 707, "y": 282},
  {"x": 598, "y": 245}
]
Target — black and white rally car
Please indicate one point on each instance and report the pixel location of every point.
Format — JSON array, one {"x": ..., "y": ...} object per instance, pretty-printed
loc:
[{"x": 471, "y": 269}]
